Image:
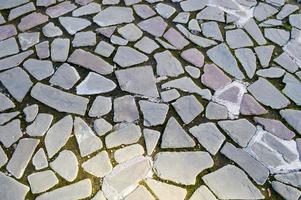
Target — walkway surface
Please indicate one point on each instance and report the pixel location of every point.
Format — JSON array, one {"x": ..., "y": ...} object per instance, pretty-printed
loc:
[{"x": 150, "y": 99}]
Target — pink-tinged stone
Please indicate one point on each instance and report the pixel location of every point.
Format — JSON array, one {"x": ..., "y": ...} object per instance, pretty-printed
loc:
[
  {"x": 7, "y": 31},
  {"x": 230, "y": 95},
  {"x": 106, "y": 31},
  {"x": 83, "y": 2},
  {"x": 60, "y": 9},
  {"x": 175, "y": 38},
  {"x": 193, "y": 56},
  {"x": 249, "y": 106},
  {"x": 155, "y": 26},
  {"x": 275, "y": 127},
  {"x": 90, "y": 61},
  {"x": 298, "y": 142},
  {"x": 214, "y": 77},
  {"x": 32, "y": 20}
]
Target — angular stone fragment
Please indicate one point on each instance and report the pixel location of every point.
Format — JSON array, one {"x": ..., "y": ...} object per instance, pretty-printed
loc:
[
  {"x": 180, "y": 172},
  {"x": 125, "y": 177},
  {"x": 175, "y": 38},
  {"x": 88, "y": 9},
  {"x": 167, "y": 64},
  {"x": 138, "y": 80},
  {"x": 108, "y": 17},
  {"x": 28, "y": 39},
  {"x": 8, "y": 47},
  {"x": 60, "y": 49},
  {"x": 95, "y": 84},
  {"x": 7, "y": 31},
  {"x": 272, "y": 98},
  {"x": 262, "y": 11},
  {"x": 144, "y": 11},
  {"x": 247, "y": 59},
  {"x": 42, "y": 181},
  {"x": 6, "y": 117},
  {"x": 130, "y": 32},
  {"x": 249, "y": 106},
  {"x": 278, "y": 36},
  {"x": 40, "y": 69},
  {"x": 6, "y": 103},
  {"x": 193, "y": 56},
  {"x": 15, "y": 60},
  {"x": 292, "y": 117},
  {"x": 285, "y": 191},
  {"x": 153, "y": 113},
  {"x": 21, "y": 156},
  {"x": 3, "y": 157},
  {"x": 140, "y": 193},
  {"x": 32, "y": 20},
  {"x": 79, "y": 190},
  {"x": 203, "y": 193},
  {"x": 238, "y": 38},
  {"x": 6, "y": 4},
  {"x": 60, "y": 9},
  {"x": 286, "y": 10},
  {"x": 151, "y": 138},
  {"x": 272, "y": 72},
  {"x": 90, "y": 61},
  {"x": 125, "y": 109},
  {"x": 12, "y": 189},
  {"x": 166, "y": 191},
  {"x": 264, "y": 54},
  {"x": 42, "y": 50},
  {"x": 128, "y": 152},
  {"x": 99, "y": 165},
  {"x": 74, "y": 24},
  {"x": 59, "y": 100},
  {"x": 50, "y": 30},
  {"x": 84, "y": 38},
  {"x": 17, "y": 82},
  {"x": 123, "y": 134},
  {"x": 101, "y": 106},
  {"x": 40, "y": 125},
  {"x": 174, "y": 136},
  {"x": 127, "y": 56},
  {"x": 193, "y": 71},
  {"x": 10, "y": 133},
  {"x": 58, "y": 135},
  {"x": 292, "y": 88},
  {"x": 286, "y": 61},
  {"x": 234, "y": 185},
  {"x": 87, "y": 141},
  {"x": 292, "y": 178},
  {"x": 216, "y": 111},
  {"x": 208, "y": 136},
  {"x": 214, "y": 77},
  {"x": 193, "y": 5},
  {"x": 66, "y": 165},
  {"x": 155, "y": 26},
  {"x": 39, "y": 160}
]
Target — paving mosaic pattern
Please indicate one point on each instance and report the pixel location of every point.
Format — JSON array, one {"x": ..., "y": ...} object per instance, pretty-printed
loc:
[{"x": 150, "y": 99}]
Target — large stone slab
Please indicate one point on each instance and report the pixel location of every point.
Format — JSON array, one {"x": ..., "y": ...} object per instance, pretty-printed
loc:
[
  {"x": 12, "y": 189},
  {"x": 108, "y": 17}
]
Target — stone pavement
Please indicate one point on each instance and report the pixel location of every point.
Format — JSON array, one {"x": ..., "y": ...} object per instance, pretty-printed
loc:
[{"x": 150, "y": 99}]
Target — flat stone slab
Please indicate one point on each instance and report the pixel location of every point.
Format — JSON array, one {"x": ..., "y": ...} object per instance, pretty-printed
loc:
[
  {"x": 107, "y": 16},
  {"x": 12, "y": 189}
]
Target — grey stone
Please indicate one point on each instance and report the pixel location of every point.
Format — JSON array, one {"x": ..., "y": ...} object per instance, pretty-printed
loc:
[
  {"x": 6, "y": 103},
  {"x": 101, "y": 106},
  {"x": 21, "y": 10},
  {"x": 241, "y": 130},
  {"x": 50, "y": 30},
  {"x": 104, "y": 49},
  {"x": 140, "y": 193},
  {"x": 125, "y": 109},
  {"x": 208, "y": 136},
  {"x": 193, "y": 71},
  {"x": 39, "y": 69},
  {"x": 291, "y": 178},
  {"x": 263, "y": 11},
  {"x": 278, "y": 36},
  {"x": 28, "y": 39},
  {"x": 40, "y": 125},
  {"x": 66, "y": 165},
  {"x": 238, "y": 38},
  {"x": 99, "y": 165},
  {"x": 211, "y": 13},
  {"x": 247, "y": 59},
  {"x": 202, "y": 193},
  {"x": 144, "y": 11},
  {"x": 292, "y": 117},
  {"x": 123, "y": 134},
  {"x": 60, "y": 9},
  {"x": 85, "y": 38},
  {"x": 167, "y": 64},
  {"x": 12, "y": 189},
  {"x": 32, "y": 20},
  {"x": 287, "y": 192},
  {"x": 249, "y": 106},
  {"x": 146, "y": 45},
  {"x": 8, "y": 47},
  {"x": 180, "y": 172},
  {"x": 127, "y": 56},
  {"x": 194, "y": 56},
  {"x": 273, "y": 98},
  {"x": 107, "y": 16},
  {"x": 45, "y": 3},
  {"x": 216, "y": 111},
  {"x": 155, "y": 26},
  {"x": 60, "y": 49},
  {"x": 118, "y": 40},
  {"x": 10, "y": 133},
  {"x": 42, "y": 50},
  {"x": 193, "y": 5},
  {"x": 295, "y": 21},
  {"x": 59, "y": 100},
  {"x": 287, "y": 62},
  {"x": 174, "y": 136},
  {"x": 165, "y": 10},
  {"x": 6, "y": 117},
  {"x": 5, "y": 4},
  {"x": 128, "y": 153},
  {"x": 272, "y": 72},
  {"x": 234, "y": 185},
  {"x": 211, "y": 30},
  {"x": 138, "y": 80},
  {"x": 13, "y": 61},
  {"x": 74, "y": 24},
  {"x": 7, "y": 31},
  {"x": 130, "y": 32},
  {"x": 101, "y": 126},
  {"x": 39, "y": 160},
  {"x": 175, "y": 38},
  {"x": 153, "y": 113},
  {"x": 21, "y": 156},
  {"x": 42, "y": 181},
  {"x": 286, "y": 10},
  {"x": 292, "y": 88},
  {"x": 3, "y": 157},
  {"x": 252, "y": 28},
  {"x": 17, "y": 82},
  {"x": 151, "y": 138},
  {"x": 88, "y": 9},
  {"x": 169, "y": 95}
]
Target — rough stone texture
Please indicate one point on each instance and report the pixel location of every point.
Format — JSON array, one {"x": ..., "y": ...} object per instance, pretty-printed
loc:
[{"x": 12, "y": 189}]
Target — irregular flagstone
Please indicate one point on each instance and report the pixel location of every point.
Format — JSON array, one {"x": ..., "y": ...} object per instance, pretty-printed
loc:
[
  {"x": 291, "y": 178},
  {"x": 223, "y": 58},
  {"x": 21, "y": 156},
  {"x": 272, "y": 98},
  {"x": 169, "y": 95},
  {"x": 7, "y": 31},
  {"x": 203, "y": 193},
  {"x": 32, "y": 20},
  {"x": 21, "y": 10},
  {"x": 174, "y": 136},
  {"x": 15, "y": 60},
  {"x": 66, "y": 165},
  {"x": 99, "y": 165},
  {"x": 286, "y": 10},
  {"x": 125, "y": 109},
  {"x": 278, "y": 36},
  {"x": 138, "y": 80},
  {"x": 6, "y": 117},
  {"x": 188, "y": 107},
  {"x": 125, "y": 177},
  {"x": 88, "y": 9},
  {"x": 3, "y": 158},
  {"x": 292, "y": 88},
  {"x": 212, "y": 30},
  {"x": 6, "y": 4},
  {"x": 278, "y": 155},
  {"x": 287, "y": 192},
  {"x": 128, "y": 152},
  {"x": 151, "y": 138},
  {"x": 101, "y": 126},
  {"x": 264, "y": 54},
  {"x": 140, "y": 193},
  {"x": 272, "y": 72},
  {"x": 74, "y": 24},
  {"x": 42, "y": 181},
  {"x": 130, "y": 32},
  {"x": 155, "y": 26},
  {"x": 144, "y": 11},
  {"x": 39, "y": 160},
  {"x": 87, "y": 141},
  {"x": 208, "y": 136},
  {"x": 193, "y": 71},
  {"x": 175, "y": 38},
  {"x": 59, "y": 100},
  {"x": 79, "y": 190},
  {"x": 60, "y": 49},
  {"x": 28, "y": 39},
  {"x": 247, "y": 59},
  {"x": 292, "y": 117},
  {"x": 127, "y": 56},
  {"x": 8, "y": 47},
  {"x": 40, "y": 125},
  {"x": 17, "y": 82},
  {"x": 42, "y": 50},
  {"x": 104, "y": 49},
  {"x": 58, "y": 135},
  {"x": 234, "y": 185},
  {"x": 193, "y": 56},
  {"x": 193, "y": 5},
  {"x": 241, "y": 130},
  {"x": 211, "y": 13},
  {"x": 6, "y": 103},
  {"x": 216, "y": 111},
  {"x": 50, "y": 30},
  {"x": 90, "y": 61},
  {"x": 237, "y": 38},
  {"x": 293, "y": 49},
  {"x": 153, "y": 113},
  {"x": 12, "y": 189},
  {"x": 99, "y": 196},
  {"x": 101, "y": 106},
  {"x": 108, "y": 17},
  {"x": 106, "y": 31},
  {"x": 60, "y": 9},
  {"x": 249, "y": 106},
  {"x": 250, "y": 165},
  {"x": 38, "y": 68},
  {"x": 167, "y": 64},
  {"x": 127, "y": 133},
  {"x": 286, "y": 62},
  {"x": 187, "y": 85},
  {"x": 263, "y": 11},
  {"x": 95, "y": 84},
  {"x": 84, "y": 38},
  {"x": 166, "y": 191},
  {"x": 275, "y": 127},
  {"x": 180, "y": 171},
  {"x": 10, "y": 133},
  {"x": 166, "y": 11}
]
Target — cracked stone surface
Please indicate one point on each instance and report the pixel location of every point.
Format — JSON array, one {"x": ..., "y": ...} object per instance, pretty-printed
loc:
[{"x": 150, "y": 99}]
